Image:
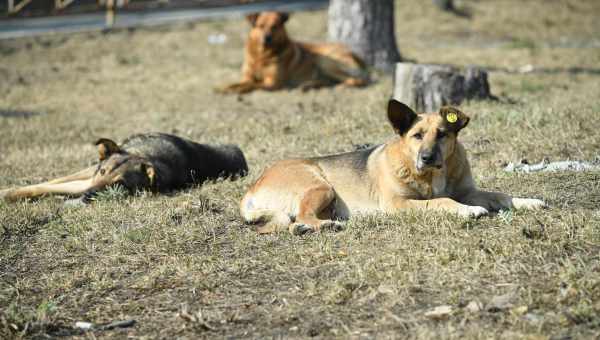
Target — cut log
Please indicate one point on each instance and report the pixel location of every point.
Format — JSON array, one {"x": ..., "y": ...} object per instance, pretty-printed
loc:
[{"x": 426, "y": 88}]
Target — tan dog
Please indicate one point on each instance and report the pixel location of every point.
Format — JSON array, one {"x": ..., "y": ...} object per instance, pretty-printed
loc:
[
  {"x": 424, "y": 167},
  {"x": 272, "y": 61}
]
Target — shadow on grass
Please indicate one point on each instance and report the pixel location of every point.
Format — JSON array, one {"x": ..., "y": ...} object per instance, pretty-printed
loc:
[{"x": 8, "y": 113}]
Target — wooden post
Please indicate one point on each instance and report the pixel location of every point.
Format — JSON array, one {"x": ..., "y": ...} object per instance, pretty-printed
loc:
[{"x": 110, "y": 13}]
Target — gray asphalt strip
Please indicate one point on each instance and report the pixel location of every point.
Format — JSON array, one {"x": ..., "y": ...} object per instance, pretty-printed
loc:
[{"x": 17, "y": 28}]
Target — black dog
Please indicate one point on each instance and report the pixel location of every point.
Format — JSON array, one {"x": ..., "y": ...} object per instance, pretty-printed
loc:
[{"x": 153, "y": 161}]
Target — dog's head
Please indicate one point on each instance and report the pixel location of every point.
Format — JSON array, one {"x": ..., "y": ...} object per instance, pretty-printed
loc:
[
  {"x": 119, "y": 167},
  {"x": 429, "y": 138},
  {"x": 268, "y": 29}
]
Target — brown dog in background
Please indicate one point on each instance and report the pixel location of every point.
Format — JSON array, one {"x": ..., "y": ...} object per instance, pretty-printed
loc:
[
  {"x": 273, "y": 61},
  {"x": 424, "y": 167}
]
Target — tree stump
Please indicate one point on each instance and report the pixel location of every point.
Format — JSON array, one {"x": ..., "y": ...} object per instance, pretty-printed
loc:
[
  {"x": 367, "y": 28},
  {"x": 426, "y": 88}
]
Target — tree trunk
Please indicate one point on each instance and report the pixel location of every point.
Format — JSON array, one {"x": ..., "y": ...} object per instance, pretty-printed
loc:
[
  {"x": 426, "y": 88},
  {"x": 367, "y": 28}
]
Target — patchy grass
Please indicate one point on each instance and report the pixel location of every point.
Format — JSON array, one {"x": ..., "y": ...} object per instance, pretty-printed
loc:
[{"x": 185, "y": 266}]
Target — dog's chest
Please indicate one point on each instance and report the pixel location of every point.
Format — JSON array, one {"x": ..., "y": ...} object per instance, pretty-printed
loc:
[
  {"x": 438, "y": 185},
  {"x": 288, "y": 67},
  {"x": 262, "y": 68},
  {"x": 431, "y": 186}
]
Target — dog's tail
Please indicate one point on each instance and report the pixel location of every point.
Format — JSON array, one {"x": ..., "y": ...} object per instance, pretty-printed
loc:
[
  {"x": 359, "y": 62},
  {"x": 268, "y": 221},
  {"x": 362, "y": 71}
]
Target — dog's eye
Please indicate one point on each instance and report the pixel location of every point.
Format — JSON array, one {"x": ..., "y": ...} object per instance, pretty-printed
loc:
[
  {"x": 102, "y": 172},
  {"x": 440, "y": 135},
  {"x": 418, "y": 135}
]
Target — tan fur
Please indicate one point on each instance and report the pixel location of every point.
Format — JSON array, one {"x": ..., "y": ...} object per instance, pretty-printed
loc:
[
  {"x": 90, "y": 179},
  {"x": 311, "y": 194},
  {"x": 285, "y": 63}
]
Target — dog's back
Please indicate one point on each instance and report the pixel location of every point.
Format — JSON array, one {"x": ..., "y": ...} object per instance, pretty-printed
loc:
[
  {"x": 349, "y": 174},
  {"x": 336, "y": 61},
  {"x": 180, "y": 161}
]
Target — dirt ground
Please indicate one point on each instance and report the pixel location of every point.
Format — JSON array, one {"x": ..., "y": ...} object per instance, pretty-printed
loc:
[{"x": 185, "y": 266}]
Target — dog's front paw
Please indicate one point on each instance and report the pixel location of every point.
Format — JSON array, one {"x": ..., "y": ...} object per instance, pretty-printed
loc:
[
  {"x": 528, "y": 203},
  {"x": 227, "y": 89},
  {"x": 301, "y": 229},
  {"x": 238, "y": 88},
  {"x": 223, "y": 90},
  {"x": 332, "y": 225},
  {"x": 473, "y": 211}
]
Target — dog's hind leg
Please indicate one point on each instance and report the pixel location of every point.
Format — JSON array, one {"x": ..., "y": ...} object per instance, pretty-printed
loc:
[
  {"x": 273, "y": 221},
  {"x": 313, "y": 213},
  {"x": 270, "y": 220},
  {"x": 291, "y": 190}
]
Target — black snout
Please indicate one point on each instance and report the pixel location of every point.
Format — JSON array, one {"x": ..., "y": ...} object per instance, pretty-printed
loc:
[
  {"x": 268, "y": 39},
  {"x": 427, "y": 157}
]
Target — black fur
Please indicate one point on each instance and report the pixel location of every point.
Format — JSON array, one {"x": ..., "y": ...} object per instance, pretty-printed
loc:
[
  {"x": 180, "y": 162},
  {"x": 354, "y": 159}
]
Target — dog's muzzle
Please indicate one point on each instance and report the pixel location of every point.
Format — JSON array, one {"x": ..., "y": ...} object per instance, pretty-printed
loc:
[
  {"x": 429, "y": 159},
  {"x": 267, "y": 39}
]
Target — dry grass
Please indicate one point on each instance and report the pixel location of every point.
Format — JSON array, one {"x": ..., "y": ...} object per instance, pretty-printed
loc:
[{"x": 185, "y": 266}]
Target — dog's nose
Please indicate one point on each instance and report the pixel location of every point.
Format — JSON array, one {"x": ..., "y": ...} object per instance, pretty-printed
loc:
[
  {"x": 268, "y": 39},
  {"x": 427, "y": 157}
]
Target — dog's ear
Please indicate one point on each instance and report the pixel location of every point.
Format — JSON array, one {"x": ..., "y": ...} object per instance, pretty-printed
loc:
[
  {"x": 106, "y": 147},
  {"x": 150, "y": 172},
  {"x": 455, "y": 120},
  {"x": 252, "y": 17},
  {"x": 400, "y": 116},
  {"x": 283, "y": 17}
]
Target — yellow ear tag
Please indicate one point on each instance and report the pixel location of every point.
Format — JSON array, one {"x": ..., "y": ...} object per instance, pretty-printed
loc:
[{"x": 451, "y": 117}]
